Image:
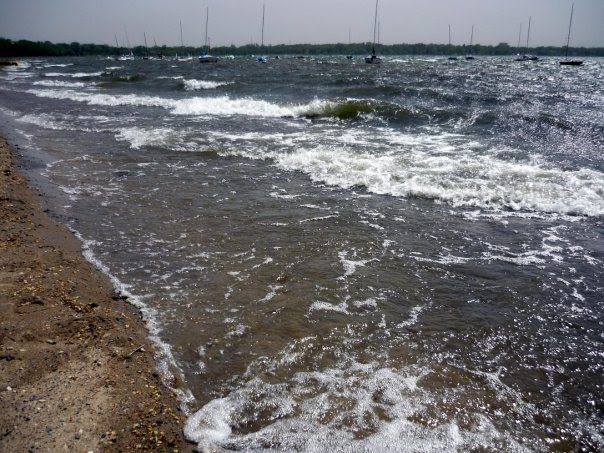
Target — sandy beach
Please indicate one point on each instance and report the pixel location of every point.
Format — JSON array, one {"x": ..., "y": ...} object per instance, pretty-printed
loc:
[{"x": 77, "y": 371}]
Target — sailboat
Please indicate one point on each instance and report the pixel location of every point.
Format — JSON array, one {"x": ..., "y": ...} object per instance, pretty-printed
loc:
[
  {"x": 349, "y": 56},
  {"x": 470, "y": 56},
  {"x": 519, "y": 38},
  {"x": 117, "y": 46},
  {"x": 373, "y": 58},
  {"x": 146, "y": 57},
  {"x": 130, "y": 55},
  {"x": 566, "y": 61},
  {"x": 262, "y": 58},
  {"x": 159, "y": 55},
  {"x": 182, "y": 48},
  {"x": 451, "y": 57},
  {"x": 205, "y": 57},
  {"x": 526, "y": 56}
]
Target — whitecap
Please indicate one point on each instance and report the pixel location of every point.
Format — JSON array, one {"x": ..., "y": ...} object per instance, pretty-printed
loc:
[
  {"x": 325, "y": 410},
  {"x": 326, "y": 306},
  {"x": 463, "y": 179},
  {"x": 225, "y": 106},
  {"x": 202, "y": 84},
  {"x": 60, "y": 84},
  {"x": 57, "y": 65},
  {"x": 74, "y": 74},
  {"x": 350, "y": 266}
]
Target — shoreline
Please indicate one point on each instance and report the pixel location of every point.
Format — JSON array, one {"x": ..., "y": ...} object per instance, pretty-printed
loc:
[{"x": 77, "y": 368}]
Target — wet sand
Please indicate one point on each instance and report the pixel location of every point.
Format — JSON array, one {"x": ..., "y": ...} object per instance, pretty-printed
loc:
[{"x": 76, "y": 367}]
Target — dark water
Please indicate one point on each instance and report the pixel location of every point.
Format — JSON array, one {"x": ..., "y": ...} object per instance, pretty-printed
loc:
[{"x": 336, "y": 256}]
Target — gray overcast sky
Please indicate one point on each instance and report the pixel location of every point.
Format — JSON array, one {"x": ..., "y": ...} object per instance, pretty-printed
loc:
[{"x": 302, "y": 21}]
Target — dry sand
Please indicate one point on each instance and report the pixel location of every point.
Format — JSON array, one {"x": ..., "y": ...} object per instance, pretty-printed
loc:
[{"x": 76, "y": 367}]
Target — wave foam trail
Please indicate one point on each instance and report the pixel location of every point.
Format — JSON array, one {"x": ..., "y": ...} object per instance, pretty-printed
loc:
[
  {"x": 43, "y": 120},
  {"x": 210, "y": 425},
  {"x": 138, "y": 137},
  {"x": 165, "y": 359},
  {"x": 359, "y": 407},
  {"x": 219, "y": 106},
  {"x": 225, "y": 106},
  {"x": 60, "y": 84},
  {"x": 202, "y": 84},
  {"x": 105, "y": 99},
  {"x": 74, "y": 75},
  {"x": 461, "y": 178},
  {"x": 58, "y": 65}
]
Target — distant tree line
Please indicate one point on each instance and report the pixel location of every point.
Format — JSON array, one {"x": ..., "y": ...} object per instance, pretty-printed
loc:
[{"x": 23, "y": 48}]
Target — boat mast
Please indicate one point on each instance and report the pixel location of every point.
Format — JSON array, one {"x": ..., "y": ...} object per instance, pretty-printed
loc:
[
  {"x": 126, "y": 34},
  {"x": 519, "y": 37},
  {"x": 569, "y": 27},
  {"x": 472, "y": 36},
  {"x": 207, "y": 19},
  {"x": 375, "y": 21},
  {"x": 146, "y": 48},
  {"x": 262, "y": 39},
  {"x": 528, "y": 33},
  {"x": 182, "y": 44}
]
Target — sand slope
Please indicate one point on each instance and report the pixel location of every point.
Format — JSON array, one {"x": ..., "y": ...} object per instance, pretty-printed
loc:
[{"x": 76, "y": 369}]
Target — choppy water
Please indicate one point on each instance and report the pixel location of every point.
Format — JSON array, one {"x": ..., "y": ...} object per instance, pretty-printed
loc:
[{"x": 344, "y": 257}]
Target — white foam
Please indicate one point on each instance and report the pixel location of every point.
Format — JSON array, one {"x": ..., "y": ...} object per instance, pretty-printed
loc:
[
  {"x": 375, "y": 226},
  {"x": 210, "y": 425},
  {"x": 139, "y": 137},
  {"x": 74, "y": 75},
  {"x": 271, "y": 294},
  {"x": 57, "y": 65},
  {"x": 165, "y": 360},
  {"x": 441, "y": 167},
  {"x": 14, "y": 74},
  {"x": 238, "y": 331},
  {"x": 527, "y": 257},
  {"x": 284, "y": 196},
  {"x": 266, "y": 261},
  {"x": 577, "y": 295},
  {"x": 462, "y": 179},
  {"x": 326, "y": 306},
  {"x": 104, "y": 99},
  {"x": 350, "y": 266},
  {"x": 202, "y": 84},
  {"x": 59, "y": 84},
  {"x": 520, "y": 259},
  {"x": 317, "y": 219},
  {"x": 370, "y": 303},
  {"x": 19, "y": 68},
  {"x": 44, "y": 120},
  {"x": 219, "y": 106},
  {"x": 413, "y": 316},
  {"x": 225, "y": 106},
  {"x": 326, "y": 410},
  {"x": 314, "y": 206},
  {"x": 443, "y": 259}
]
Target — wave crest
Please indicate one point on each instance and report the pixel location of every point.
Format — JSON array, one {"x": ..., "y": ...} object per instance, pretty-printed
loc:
[{"x": 461, "y": 180}]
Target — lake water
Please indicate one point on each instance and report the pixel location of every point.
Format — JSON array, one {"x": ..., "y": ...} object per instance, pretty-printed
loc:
[{"x": 335, "y": 256}]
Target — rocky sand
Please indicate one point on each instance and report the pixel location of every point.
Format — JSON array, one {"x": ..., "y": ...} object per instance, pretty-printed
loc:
[{"x": 77, "y": 371}]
